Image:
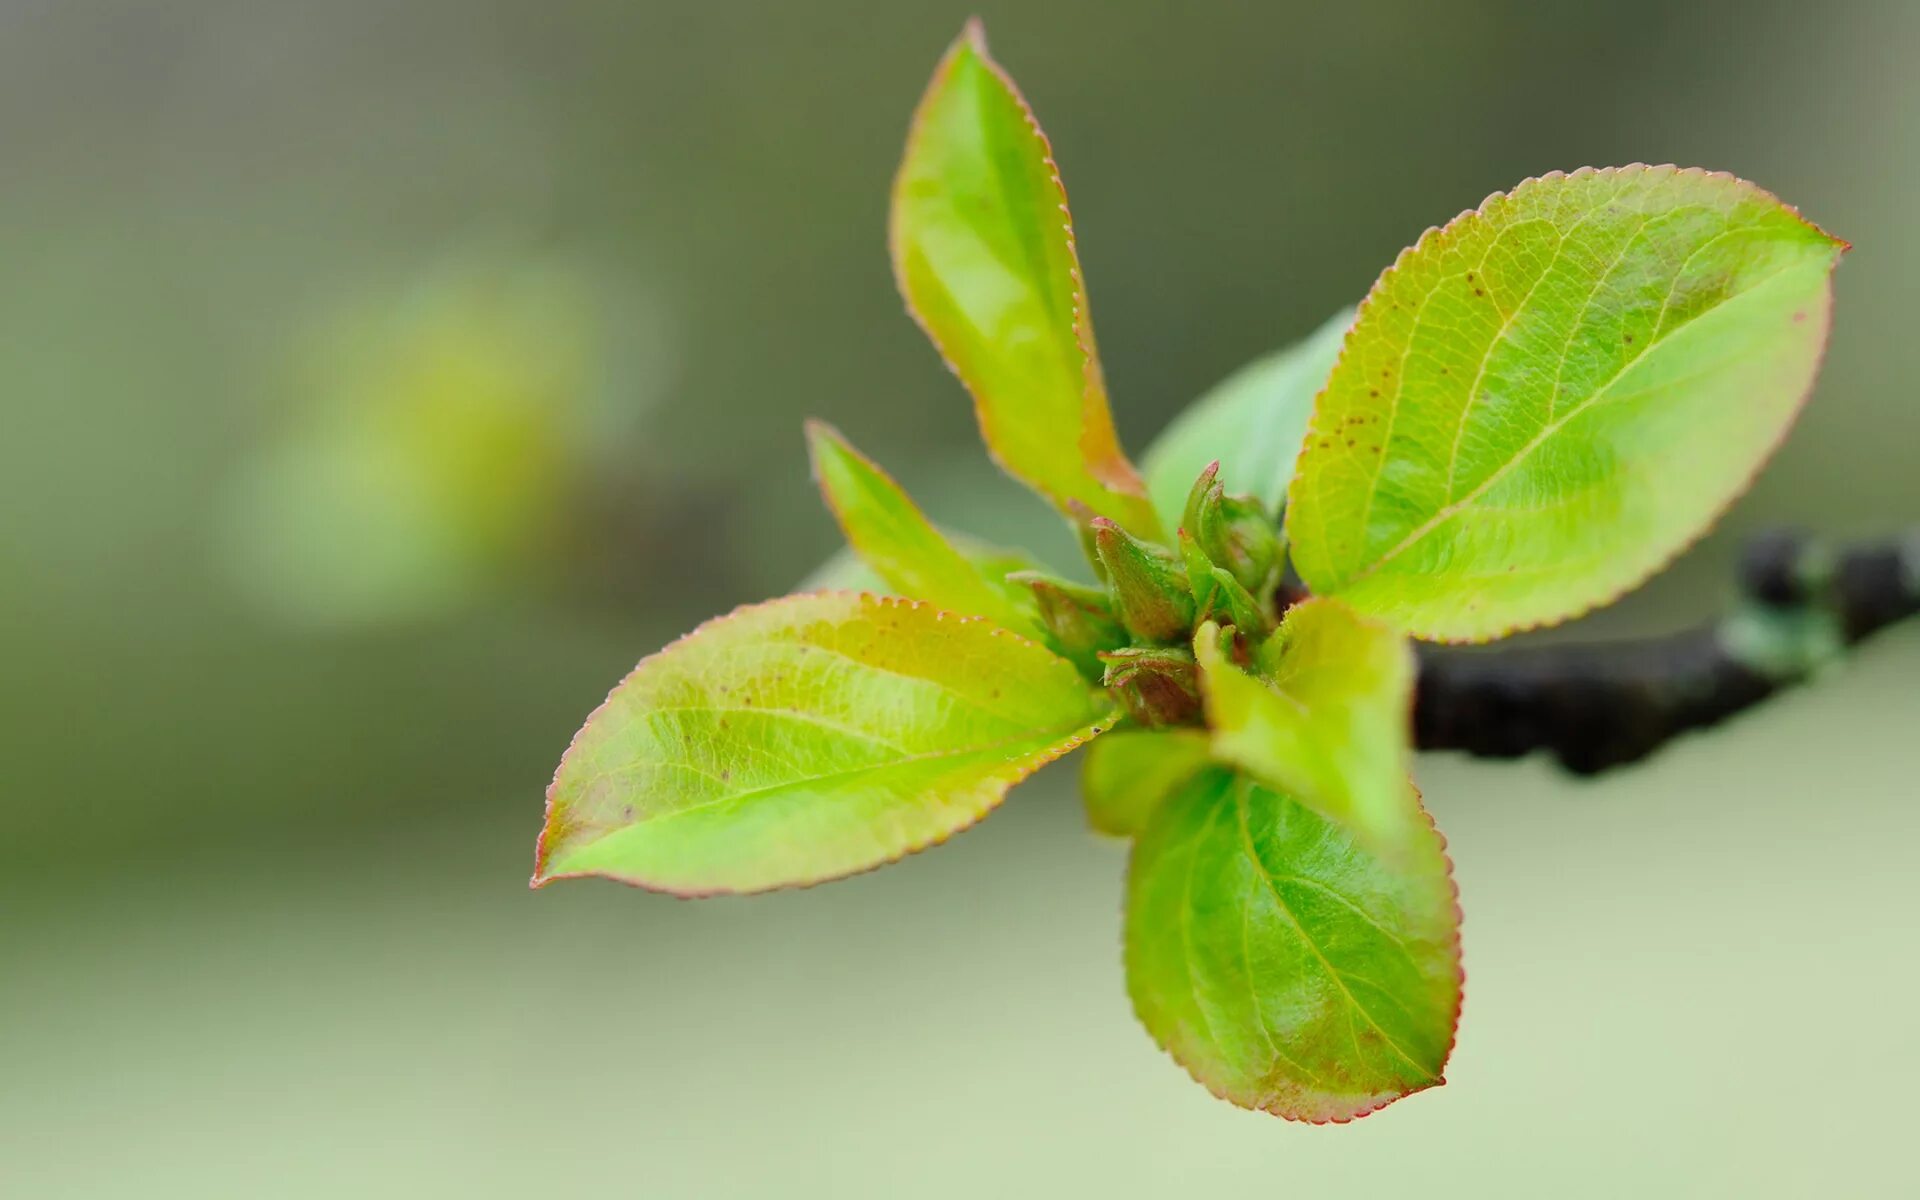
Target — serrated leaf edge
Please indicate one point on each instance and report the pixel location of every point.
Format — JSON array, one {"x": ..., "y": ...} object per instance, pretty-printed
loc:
[
  {"x": 1108, "y": 463},
  {"x": 1453, "y": 1030},
  {"x": 816, "y": 428},
  {"x": 1434, "y": 232},
  {"x": 1057, "y": 751}
]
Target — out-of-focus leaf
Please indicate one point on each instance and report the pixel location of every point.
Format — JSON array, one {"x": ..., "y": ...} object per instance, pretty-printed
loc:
[
  {"x": 1281, "y": 962},
  {"x": 1326, "y": 720},
  {"x": 903, "y": 548},
  {"x": 844, "y": 572},
  {"x": 1544, "y": 402},
  {"x": 983, "y": 251},
  {"x": 1128, "y": 772},
  {"x": 436, "y": 447},
  {"x": 1253, "y": 423},
  {"x": 807, "y": 738}
]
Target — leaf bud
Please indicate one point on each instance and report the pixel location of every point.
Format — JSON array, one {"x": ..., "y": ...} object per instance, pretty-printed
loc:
[
  {"x": 1234, "y": 531},
  {"x": 1157, "y": 685},
  {"x": 1147, "y": 584},
  {"x": 1078, "y": 619}
]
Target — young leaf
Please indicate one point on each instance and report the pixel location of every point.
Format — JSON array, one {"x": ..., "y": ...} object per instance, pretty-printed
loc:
[
  {"x": 1544, "y": 402},
  {"x": 804, "y": 739},
  {"x": 983, "y": 251},
  {"x": 1127, "y": 773},
  {"x": 1328, "y": 720},
  {"x": 902, "y": 546},
  {"x": 1253, "y": 422},
  {"x": 1078, "y": 620},
  {"x": 844, "y": 572},
  {"x": 1149, "y": 586},
  {"x": 1286, "y": 967},
  {"x": 1217, "y": 594},
  {"x": 1234, "y": 532}
]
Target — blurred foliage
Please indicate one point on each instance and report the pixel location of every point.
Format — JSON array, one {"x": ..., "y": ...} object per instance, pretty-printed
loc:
[{"x": 442, "y": 437}]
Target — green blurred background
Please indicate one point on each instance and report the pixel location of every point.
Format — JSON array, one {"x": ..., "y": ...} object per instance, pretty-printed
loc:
[{"x": 385, "y": 378}]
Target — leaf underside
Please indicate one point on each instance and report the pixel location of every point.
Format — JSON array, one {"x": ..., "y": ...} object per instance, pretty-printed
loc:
[
  {"x": 983, "y": 251},
  {"x": 804, "y": 739},
  {"x": 843, "y": 571},
  {"x": 1283, "y": 965},
  {"x": 1542, "y": 403},
  {"x": 1253, "y": 422}
]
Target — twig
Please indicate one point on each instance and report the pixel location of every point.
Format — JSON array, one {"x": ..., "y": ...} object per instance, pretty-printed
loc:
[{"x": 1601, "y": 705}]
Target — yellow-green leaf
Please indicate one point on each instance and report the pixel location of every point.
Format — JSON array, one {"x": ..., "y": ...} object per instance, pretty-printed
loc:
[
  {"x": 1325, "y": 718},
  {"x": 1284, "y": 964},
  {"x": 983, "y": 251},
  {"x": 1125, "y": 774},
  {"x": 902, "y": 547},
  {"x": 1544, "y": 402},
  {"x": 804, "y": 739}
]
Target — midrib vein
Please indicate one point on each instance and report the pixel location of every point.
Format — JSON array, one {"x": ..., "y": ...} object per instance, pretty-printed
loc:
[
  {"x": 1040, "y": 741},
  {"x": 1453, "y": 508}
]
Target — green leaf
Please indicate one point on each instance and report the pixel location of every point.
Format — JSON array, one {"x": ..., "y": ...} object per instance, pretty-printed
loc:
[
  {"x": 1327, "y": 721},
  {"x": 804, "y": 739},
  {"x": 1128, "y": 772},
  {"x": 1286, "y": 967},
  {"x": 983, "y": 251},
  {"x": 1544, "y": 402},
  {"x": 844, "y": 572},
  {"x": 904, "y": 549},
  {"x": 1253, "y": 423}
]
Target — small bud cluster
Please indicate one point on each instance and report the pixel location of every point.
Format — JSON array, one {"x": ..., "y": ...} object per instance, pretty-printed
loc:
[{"x": 1134, "y": 634}]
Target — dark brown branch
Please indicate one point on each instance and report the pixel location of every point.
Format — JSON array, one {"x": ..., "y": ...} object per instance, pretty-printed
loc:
[{"x": 1601, "y": 705}]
